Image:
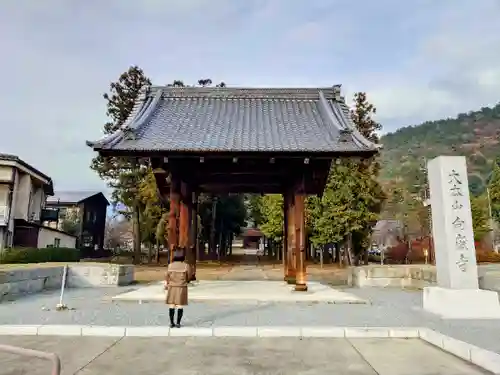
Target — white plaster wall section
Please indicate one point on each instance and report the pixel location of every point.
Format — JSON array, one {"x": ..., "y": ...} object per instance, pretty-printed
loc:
[
  {"x": 48, "y": 237},
  {"x": 15, "y": 194},
  {"x": 5, "y": 173},
  {"x": 23, "y": 196}
]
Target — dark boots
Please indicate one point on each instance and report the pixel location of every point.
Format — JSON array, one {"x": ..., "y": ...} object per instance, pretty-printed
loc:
[
  {"x": 171, "y": 314},
  {"x": 180, "y": 312}
]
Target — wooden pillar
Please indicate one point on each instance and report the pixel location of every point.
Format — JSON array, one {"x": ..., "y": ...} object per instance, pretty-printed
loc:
[
  {"x": 193, "y": 235},
  {"x": 291, "y": 242},
  {"x": 300, "y": 242},
  {"x": 286, "y": 200},
  {"x": 173, "y": 238}
]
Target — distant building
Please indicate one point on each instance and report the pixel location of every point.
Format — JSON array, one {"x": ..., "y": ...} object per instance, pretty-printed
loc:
[
  {"x": 23, "y": 191},
  {"x": 86, "y": 210},
  {"x": 252, "y": 237},
  {"x": 387, "y": 233}
]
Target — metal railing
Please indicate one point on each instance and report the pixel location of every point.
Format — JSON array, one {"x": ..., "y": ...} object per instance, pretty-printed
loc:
[{"x": 52, "y": 357}]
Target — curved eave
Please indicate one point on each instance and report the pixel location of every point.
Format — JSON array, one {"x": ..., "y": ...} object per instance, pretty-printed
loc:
[
  {"x": 358, "y": 138},
  {"x": 143, "y": 109}
]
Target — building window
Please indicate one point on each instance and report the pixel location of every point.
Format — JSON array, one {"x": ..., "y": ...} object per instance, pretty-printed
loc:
[{"x": 57, "y": 242}]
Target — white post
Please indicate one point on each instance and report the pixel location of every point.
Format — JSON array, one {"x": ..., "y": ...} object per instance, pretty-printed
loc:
[
  {"x": 61, "y": 305},
  {"x": 457, "y": 294}
]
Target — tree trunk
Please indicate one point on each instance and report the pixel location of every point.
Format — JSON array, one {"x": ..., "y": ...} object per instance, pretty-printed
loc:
[
  {"x": 212, "y": 244},
  {"x": 137, "y": 235},
  {"x": 150, "y": 253},
  {"x": 157, "y": 255},
  {"x": 231, "y": 239},
  {"x": 337, "y": 254}
]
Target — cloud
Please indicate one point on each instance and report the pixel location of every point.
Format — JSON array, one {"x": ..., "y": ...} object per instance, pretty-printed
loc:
[
  {"x": 454, "y": 68},
  {"x": 416, "y": 60}
]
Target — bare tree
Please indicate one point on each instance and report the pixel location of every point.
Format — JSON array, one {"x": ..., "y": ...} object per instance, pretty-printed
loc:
[{"x": 118, "y": 234}]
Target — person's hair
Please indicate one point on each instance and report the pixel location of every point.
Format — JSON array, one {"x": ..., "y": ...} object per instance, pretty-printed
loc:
[
  {"x": 179, "y": 258},
  {"x": 179, "y": 255}
]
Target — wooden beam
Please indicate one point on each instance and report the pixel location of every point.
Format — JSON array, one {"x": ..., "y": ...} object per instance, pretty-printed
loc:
[
  {"x": 239, "y": 179},
  {"x": 250, "y": 189}
]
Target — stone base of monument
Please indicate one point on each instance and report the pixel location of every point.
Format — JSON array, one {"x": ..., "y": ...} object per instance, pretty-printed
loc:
[{"x": 461, "y": 303}]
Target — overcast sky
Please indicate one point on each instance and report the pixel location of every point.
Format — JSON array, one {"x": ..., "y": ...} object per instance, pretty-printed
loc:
[{"x": 417, "y": 60}]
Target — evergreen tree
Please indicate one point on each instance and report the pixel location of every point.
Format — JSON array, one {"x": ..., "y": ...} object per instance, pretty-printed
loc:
[
  {"x": 272, "y": 216},
  {"x": 122, "y": 174},
  {"x": 480, "y": 217},
  {"x": 494, "y": 190}
]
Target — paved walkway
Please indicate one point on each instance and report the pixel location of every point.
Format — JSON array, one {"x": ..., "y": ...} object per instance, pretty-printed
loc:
[
  {"x": 262, "y": 291},
  {"x": 239, "y": 356},
  {"x": 388, "y": 308}
]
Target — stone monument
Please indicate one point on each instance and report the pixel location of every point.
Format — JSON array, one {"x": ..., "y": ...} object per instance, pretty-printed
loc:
[{"x": 457, "y": 294}]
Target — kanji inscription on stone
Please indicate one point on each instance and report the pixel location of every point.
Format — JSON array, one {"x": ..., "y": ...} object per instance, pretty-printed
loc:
[
  {"x": 462, "y": 263},
  {"x": 458, "y": 223},
  {"x": 461, "y": 242},
  {"x": 452, "y": 223}
]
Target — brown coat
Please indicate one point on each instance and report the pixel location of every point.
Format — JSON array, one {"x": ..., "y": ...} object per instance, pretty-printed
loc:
[{"x": 177, "y": 279}]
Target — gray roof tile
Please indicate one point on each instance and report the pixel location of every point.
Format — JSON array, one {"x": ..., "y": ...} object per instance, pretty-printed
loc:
[
  {"x": 216, "y": 119},
  {"x": 72, "y": 197}
]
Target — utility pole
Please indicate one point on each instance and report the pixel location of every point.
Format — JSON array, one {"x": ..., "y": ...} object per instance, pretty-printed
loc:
[{"x": 492, "y": 223}]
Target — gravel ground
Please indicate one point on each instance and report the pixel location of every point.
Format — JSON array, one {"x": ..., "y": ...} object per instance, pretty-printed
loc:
[{"x": 389, "y": 307}]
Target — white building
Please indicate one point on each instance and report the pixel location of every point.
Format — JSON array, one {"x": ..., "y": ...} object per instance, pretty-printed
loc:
[{"x": 23, "y": 192}]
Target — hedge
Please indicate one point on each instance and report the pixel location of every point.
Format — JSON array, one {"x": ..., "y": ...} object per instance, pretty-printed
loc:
[{"x": 42, "y": 255}]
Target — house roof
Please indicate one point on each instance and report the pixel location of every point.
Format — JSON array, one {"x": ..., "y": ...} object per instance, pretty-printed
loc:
[
  {"x": 49, "y": 189},
  {"x": 252, "y": 232},
  {"x": 195, "y": 119},
  {"x": 72, "y": 197}
]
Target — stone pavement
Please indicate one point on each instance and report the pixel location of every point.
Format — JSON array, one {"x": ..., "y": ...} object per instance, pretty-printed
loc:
[
  {"x": 387, "y": 308},
  {"x": 241, "y": 356},
  {"x": 258, "y": 291}
]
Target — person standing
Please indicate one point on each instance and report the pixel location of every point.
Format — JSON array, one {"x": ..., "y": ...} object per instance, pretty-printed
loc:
[{"x": 176, "y": 284}]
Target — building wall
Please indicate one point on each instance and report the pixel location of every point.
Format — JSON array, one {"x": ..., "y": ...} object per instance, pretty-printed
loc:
[
  {"x": 4, "y": 204},
  {"x": 25, "y": 236},
  {"x": 3, "y": 239},
  {"x": 29, "y": 199},
  {"x": 5, "y": 173},
  {"x": 15, "y": 194},
  {"x": 48, "y": 237},
  {"x": 22, "y": 202}
]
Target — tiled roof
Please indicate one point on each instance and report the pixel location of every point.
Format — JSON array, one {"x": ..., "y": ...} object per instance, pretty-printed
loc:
[
  {"x": 71, "y": 197},
  {"x": 238, "y": 120}
]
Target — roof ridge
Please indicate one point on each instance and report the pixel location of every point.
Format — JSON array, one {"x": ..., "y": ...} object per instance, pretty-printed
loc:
[
  {"x": 137, "y": 111},
  {"x": 247, "y": 92},
  {"x": 357, "y": 136}
]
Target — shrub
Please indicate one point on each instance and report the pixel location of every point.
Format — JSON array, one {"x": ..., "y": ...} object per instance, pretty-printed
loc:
[{"x": 42, "y": 255}]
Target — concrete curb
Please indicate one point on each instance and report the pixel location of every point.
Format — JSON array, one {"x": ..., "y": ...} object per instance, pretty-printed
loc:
[
  {"x": 220, "y": 331},
  {"x": 480, "y": 357},
  {"x": 483, "y": 358}
]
